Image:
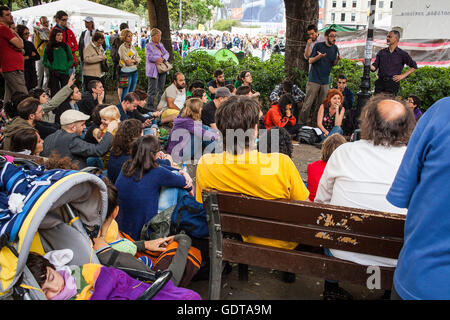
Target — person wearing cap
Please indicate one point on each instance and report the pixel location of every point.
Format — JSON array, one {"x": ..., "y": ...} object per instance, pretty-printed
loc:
[
  {"x": 209, "y": 110},
  {"x": 172, "y": 101},
  {"x": 84, "y": 40},
  {"x": 68, "y": 142},
  {"x": 155, "y": 54}
]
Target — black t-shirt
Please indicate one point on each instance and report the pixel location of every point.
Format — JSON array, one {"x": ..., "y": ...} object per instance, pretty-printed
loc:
[
  {"x": 208, "y": 113},
  {"x": 213, "y": 84}
]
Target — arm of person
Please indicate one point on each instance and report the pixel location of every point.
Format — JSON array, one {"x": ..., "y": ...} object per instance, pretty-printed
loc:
[
  {"x": 45, "y": 60},
  {"x": 60, "y": 96},
  {"x": 308, "y": 46},
  {"x": 212, "y": 90},
  {"x": 339, "y": 117},
  {"x": 16, "y": 41},
  {"x": 90, "y": 56},
  {"x": 275, "y": 94},
  {"x": 152, "y": 53},
  {"x": 171, "y": 103},
  {"x": 277, "y": 120},
  {"x": 319, "y": 120},
  {"x": 315, "y": 55},
  {"x": 374, "y": 66},
  {"x": 298, "y": 190},
  {"x": 171, "y": 179},
  {"x": 70, "y": 57},
  {"x": 82, "y": 148},
  {"x": 402, "y": 76}
]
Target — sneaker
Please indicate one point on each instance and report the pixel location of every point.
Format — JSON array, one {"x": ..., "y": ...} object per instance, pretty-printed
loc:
[{"x": 337, "y": 294}]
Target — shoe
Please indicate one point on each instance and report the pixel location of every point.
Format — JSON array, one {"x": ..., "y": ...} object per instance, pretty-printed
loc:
[
  {"x": 288, "y": 277},
  {"x": 336, "y": 294}
]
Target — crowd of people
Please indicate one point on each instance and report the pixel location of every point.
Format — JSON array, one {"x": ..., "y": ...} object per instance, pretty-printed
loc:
[{"x": 145, "y": 167}]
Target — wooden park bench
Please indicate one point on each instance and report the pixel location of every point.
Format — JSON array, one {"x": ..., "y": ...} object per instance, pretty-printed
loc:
[{"x": 307, "y": 223}]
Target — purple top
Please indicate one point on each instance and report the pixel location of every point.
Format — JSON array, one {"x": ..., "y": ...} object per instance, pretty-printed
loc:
[
  {"x": 417, "y": 113},
  {"x": 187, "y": 126},
  {"x": 153, "y": 53},
  {"x": 390, "y": 64}
]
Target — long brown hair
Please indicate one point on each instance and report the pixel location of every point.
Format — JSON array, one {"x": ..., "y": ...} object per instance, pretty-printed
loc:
[{"x": 143, "y": 154}]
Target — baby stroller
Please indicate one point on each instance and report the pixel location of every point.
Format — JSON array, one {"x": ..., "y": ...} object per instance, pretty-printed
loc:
[{"x": 43, "y": 210}]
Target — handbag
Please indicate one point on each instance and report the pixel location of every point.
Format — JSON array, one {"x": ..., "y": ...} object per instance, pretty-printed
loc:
[
  {"x": 165, "y": 66},
  {"x": 104, "y": 66},
  {"x": 123, "y": 81},
  {"x": 308, "y": 135}
]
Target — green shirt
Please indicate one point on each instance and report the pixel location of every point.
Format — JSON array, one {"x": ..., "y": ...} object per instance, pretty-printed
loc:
[{"x": 62, "y": 59}]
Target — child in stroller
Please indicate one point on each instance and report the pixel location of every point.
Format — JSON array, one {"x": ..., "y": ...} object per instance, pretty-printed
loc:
[{"x": 77, "y": 283}]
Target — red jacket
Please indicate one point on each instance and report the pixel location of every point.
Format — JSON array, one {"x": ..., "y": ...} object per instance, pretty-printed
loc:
[
  {"x": 315, "y": 171},
  {"x": 70, "y": 39},
  {"x": 273, "y": 118}
]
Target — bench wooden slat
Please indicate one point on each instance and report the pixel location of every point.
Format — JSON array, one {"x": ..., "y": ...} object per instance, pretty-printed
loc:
[
  {"x": 311, "y": 235},
  {"x": 303, "y": 263},
  {"x": 301, "y": 212}
]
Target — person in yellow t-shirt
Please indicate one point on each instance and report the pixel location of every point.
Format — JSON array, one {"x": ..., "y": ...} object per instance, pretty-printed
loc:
[{"x": 243, "y": 169}]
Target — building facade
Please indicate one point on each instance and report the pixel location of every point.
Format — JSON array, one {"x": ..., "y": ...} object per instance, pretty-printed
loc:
[{"x": 355, "y": 13}]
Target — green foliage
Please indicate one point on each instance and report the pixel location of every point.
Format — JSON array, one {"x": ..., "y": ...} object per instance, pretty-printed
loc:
[
  {"x": 428, "y": 83},
  {"x": 199, "y": 11},
  {"x": 224, "y": 25}
]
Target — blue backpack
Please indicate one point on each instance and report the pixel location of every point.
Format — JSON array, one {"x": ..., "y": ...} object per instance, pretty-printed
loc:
[{"x": 189, "y": 217}]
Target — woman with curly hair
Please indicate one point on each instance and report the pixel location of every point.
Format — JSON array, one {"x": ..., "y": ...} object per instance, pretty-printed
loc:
[
  {"x": 127, "y": 133},
  {"x": 331, "y": 113}
]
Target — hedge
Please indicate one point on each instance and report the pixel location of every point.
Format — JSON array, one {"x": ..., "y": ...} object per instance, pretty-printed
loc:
[{"x": 428, "y": 83}]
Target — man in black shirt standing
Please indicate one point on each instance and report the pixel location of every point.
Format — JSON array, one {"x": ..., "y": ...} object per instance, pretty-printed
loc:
[
  {"x": 389, "y": 62},
  {"x": 209, "y": 109}
]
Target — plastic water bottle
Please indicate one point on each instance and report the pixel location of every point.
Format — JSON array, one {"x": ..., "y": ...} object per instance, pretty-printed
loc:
[{"x": 184, "y": 167}]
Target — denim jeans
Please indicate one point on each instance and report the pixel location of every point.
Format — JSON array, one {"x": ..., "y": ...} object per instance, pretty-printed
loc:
[
  {"x": 335, "y": 129},
  {"x": 132, "y": 81}
]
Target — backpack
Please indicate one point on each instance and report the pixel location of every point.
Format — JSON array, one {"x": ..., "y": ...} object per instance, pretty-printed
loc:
[
  {"x": 308, "y": 135},
  {"x": 189, "y": 217},
  {"x": 116, "y": 43}
]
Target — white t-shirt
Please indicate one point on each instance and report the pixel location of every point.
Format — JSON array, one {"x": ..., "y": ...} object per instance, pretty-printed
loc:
[
  {"x": 359, "y": 175},
  {"x": 172, "y": 92}
]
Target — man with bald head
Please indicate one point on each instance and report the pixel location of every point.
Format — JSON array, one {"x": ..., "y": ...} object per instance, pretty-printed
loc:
[{"x": 359, "y": 174}]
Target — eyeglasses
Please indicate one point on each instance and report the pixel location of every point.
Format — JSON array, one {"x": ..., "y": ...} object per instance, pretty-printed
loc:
[
  {"x": 64, "y": 19},
  {"x": 332, "y": 36}
]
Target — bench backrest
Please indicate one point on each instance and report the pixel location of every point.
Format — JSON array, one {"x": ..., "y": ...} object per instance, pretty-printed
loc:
[{"x": 314, "y": 224}]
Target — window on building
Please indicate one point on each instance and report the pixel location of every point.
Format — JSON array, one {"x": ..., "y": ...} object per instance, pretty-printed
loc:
[
  {"x": 342, "y": 16},
  {"x": 381, "y": 4},
  {"x": 354, "y": 4},
  {"x": 368, "y": 4},
  {"x": 391, "y": 4},
  {"x": 353, "y": 17},
  {"x": 344, "y": 4},
  {"x": 333, "y": 17},
  {"x": 380, "y": 16},
  {"x": 334, "y": 4}
]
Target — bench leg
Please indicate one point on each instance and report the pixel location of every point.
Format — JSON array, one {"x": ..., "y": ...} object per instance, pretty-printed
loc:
[{"x": 243, "y": 272}]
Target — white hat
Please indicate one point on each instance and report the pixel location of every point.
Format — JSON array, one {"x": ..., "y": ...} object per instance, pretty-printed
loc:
[
  {"x": 71, "y": 116},
  {"x": 89, "y": 19}
]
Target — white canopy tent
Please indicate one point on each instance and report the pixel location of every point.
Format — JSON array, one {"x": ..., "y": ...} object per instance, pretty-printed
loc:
[{"x": 105, "y": 18}]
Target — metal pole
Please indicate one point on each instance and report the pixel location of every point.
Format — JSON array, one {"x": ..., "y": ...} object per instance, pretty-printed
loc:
[
  {"x": 180, "y": 25},
  {"x": 364, "y": 94}
]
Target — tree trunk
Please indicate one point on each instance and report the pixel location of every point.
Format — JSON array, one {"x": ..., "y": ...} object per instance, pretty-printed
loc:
[
  {"x": 158, "y": 15},
  {"x": 299, "y": 15}
]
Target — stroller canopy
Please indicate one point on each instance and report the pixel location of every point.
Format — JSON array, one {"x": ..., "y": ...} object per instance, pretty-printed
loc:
[{"x": 27, "y": 195}]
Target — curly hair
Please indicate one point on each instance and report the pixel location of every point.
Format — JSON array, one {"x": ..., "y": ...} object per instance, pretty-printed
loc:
[
  {"x": 386, "y": 125},
  {"x": 56, "y": 162},
  {"x": 331, "y": 93},
  {"x": 127, "y": 133},
  {"x": 330, "y": 144}
]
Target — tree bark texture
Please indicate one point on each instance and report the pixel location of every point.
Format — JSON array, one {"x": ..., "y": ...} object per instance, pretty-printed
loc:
[
  {"x": 299, "y": 15},
  {"x": 158, "y": 15}
]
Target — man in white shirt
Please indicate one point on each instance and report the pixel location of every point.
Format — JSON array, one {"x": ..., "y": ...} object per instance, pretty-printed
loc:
[
  {"x": 172, "y": 100},
  {"x": 360, "y": 174}
]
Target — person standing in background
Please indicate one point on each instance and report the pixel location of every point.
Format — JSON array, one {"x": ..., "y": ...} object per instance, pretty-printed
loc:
[
  {"x": 41, "y": 34},
  {"x": 69, "y": 38}
]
